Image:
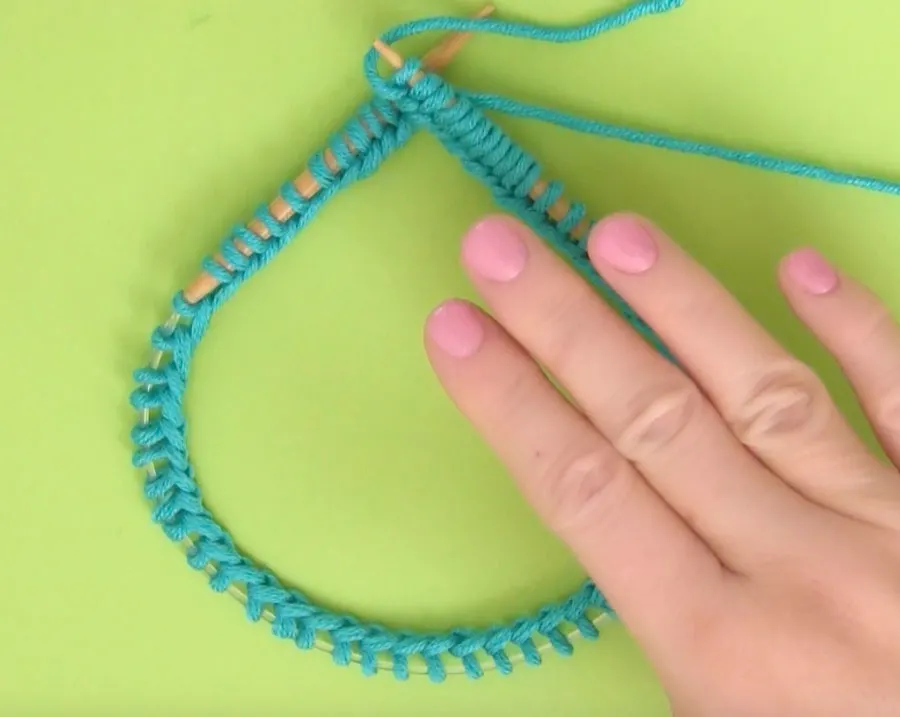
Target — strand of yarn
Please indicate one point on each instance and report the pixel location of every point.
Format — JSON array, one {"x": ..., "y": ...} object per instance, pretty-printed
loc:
[
  {"x": 660, "y": 140},
  {"x": 458, "y": 120}
]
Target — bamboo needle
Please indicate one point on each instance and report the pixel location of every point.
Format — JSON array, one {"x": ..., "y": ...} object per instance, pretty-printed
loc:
[{"x": 306, "y": 185}]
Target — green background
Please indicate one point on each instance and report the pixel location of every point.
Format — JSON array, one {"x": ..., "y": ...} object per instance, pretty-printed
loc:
[{"x": 133, "y": 134}]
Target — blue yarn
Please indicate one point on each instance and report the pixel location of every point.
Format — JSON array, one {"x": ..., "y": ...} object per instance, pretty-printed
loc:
[
  {"x": 528, "y": 31},
  {"x": 747, "y": 158},
  {"x": 457, "y": 119}
]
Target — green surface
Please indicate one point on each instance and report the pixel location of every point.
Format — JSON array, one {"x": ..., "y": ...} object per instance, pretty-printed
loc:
[{"x": 134, "y": 134}]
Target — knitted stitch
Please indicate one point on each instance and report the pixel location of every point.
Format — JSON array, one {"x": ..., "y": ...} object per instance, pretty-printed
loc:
[{"x": 457, "y": 119}]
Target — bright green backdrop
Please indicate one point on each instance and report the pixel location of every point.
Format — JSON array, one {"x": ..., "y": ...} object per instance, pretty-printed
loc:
[{"x": 132, "y": 134}]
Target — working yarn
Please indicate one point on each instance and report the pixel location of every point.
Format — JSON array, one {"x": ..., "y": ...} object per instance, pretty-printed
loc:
[{"x": 458, "y": 119}]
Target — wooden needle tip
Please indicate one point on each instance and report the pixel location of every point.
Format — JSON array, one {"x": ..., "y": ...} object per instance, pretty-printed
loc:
[
  {"x": 441, "y": 54},
  {"x": 389, "y": 54}
]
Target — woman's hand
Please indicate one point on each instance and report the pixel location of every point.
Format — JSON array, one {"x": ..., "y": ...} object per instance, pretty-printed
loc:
[{"x": 745, "y": 534}]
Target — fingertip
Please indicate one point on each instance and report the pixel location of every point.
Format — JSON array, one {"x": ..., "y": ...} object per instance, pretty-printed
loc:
[
  {"x": 495, "y": 248},
  {"x": 806, "y": 271},
  {"x": 455, "y": 328},
  {"x": 624, "y": 241}
]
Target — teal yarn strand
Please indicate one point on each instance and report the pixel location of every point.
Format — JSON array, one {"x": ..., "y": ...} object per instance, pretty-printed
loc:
[
  {"x": 459, "y": 121},
  {"x": 491, "y": 26},
  {"x": 616, "y": 20},
  {"x": 746, "y": 158}
]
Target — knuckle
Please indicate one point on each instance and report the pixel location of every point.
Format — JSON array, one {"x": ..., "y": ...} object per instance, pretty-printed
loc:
[
  {"x": 876, "y": 323},
  {"x": 509, "y": 392},
  {"x": 887, "y": 413},
  {"x": 657, "y": 418},
  {"x": 513, "y": 390},
  {"x": 787, "y": 402},
  {"x": 564, "y": 323},
  {"x": 579, "y": 491}
]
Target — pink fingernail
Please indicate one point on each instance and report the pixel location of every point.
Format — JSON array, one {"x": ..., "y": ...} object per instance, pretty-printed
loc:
[
  {"x": 811, "y": 272},
  {"x": 456, "y": 328},
  {"x": 625, "y": 243},
  {"x": 494, "y": 249}
]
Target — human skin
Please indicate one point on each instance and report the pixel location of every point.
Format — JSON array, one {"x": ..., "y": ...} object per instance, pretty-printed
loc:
[{"x": 748, "y": 538}]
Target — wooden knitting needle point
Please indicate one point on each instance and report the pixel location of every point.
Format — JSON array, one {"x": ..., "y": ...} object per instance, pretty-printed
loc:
[
  {"x": 306, "y": 185},
  {"x": 439, "y": 55}
]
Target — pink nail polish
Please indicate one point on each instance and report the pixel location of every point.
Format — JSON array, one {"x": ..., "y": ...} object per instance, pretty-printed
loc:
[
  {"x": 495, "y": 250},
  {"x": 456, "y": 328},
  {"x": 625, "y": 243},
  {"x": 811, "y": 272}
]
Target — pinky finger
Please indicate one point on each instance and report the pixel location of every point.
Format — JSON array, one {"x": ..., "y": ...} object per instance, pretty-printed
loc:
[{"x": 859, "y": 331}]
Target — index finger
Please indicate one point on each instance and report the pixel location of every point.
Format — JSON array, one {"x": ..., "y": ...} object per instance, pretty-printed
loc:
[{"x": 659, "y": 576}]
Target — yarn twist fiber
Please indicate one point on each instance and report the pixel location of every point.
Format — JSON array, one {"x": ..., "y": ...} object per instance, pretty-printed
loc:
[{"x": 457, "y": 119}]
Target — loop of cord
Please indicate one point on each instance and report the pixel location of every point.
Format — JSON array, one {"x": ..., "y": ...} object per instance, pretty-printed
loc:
[{"x": 458, "y": 120}]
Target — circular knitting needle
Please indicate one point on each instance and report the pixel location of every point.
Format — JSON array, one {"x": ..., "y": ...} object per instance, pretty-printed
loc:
[
  {"x": 306, "y": 185},
  {"x": 322, "y": 642}
]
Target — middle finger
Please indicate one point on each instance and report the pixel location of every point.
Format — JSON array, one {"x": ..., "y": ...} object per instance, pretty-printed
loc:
[
  {"x": 653, "y": 414},
  {"x": 774, "y": 404}
]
